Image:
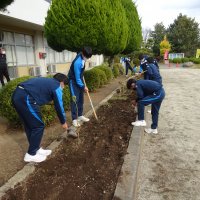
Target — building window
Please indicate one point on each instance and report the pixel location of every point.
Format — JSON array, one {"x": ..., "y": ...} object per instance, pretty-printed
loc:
[
  {"x": 68, "y": 56},
  {"x": 54, "y": 57},
  {"x": 24, "y": 49},
  {"x": 19, "y": 49}
]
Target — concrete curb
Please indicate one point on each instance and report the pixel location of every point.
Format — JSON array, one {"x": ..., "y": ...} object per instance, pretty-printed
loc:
[
  {"x": 29, "y": 168},
  {"x": 127, "y": 181}
]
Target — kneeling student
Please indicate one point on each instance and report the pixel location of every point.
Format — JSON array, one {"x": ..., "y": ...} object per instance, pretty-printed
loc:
[{"x": 148, "y": 92}]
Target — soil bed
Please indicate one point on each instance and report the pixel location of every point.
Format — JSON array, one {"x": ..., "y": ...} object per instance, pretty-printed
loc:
[{"x": 86, "y": 168}]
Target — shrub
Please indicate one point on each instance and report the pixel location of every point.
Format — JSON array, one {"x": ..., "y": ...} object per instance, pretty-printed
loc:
[
  {"x": 107, "y": 70},
  {"x": 184, "y": 60},
  {"x": 102, "y": 76},
  {"x": 66, "y": 98},
  {"x": 136, "y": 61},
  {"x": 195, "y": 60},
  {"x": 177, "y": 60},
  {"x": 7, "y": 110},
  {"x": 116, "y": 59},
  {"x": 120, "y": 67},
  {"x": 115, "y": 71},
  {"x": 92, "y": 79}
]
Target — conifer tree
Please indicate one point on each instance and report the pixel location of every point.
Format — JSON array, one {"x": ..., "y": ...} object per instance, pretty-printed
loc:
[
  {"x": 101, "y": 24},
  {"x": 135, "y": 29}
]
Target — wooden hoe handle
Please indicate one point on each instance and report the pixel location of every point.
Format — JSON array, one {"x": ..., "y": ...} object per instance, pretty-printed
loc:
[{"x": 90, "y": 101}]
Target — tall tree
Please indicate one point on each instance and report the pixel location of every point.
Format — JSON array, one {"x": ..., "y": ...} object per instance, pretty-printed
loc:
[
  {"x": 101, "y": 24},
  {"x": 4, "y": 4},
  {"x": 134, "y": 23},
  {"x": 184, "y": 35},
  {"x": 157, "y": 36},
  {"x": 149, "y": 44}
]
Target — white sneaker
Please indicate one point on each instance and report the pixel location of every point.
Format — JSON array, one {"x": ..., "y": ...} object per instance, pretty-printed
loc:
[
  {"x": 36, "y": 158},
  {"x": 84, "y": 119},
  {"x": 44, "y": 152},
  {"x": 75, "y": 123},
  {"x": 139, "y": 123},
  {"x": 151, "y": 131},
  {"x": 148, "y": 111}
]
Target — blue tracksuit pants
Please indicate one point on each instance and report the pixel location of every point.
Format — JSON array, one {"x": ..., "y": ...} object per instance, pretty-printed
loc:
[
  {"x": 76, "y": 107},
  {"x": 155, "y": 100},
  {"x": 29, "y": 114},
  {"x": 127, "y": 68}
]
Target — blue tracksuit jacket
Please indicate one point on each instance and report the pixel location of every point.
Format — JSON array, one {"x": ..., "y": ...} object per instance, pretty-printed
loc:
[
  {"x": 149, "y": 92},
  {"x": 153, "y": 73},
  {"x": 44, "y": 90},
  {"x": 76, "y": 71},
  {"x": 27, "y": 99}
]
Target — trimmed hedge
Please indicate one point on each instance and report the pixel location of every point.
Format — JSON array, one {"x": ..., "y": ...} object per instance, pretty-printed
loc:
[
  {"x": 195, "y": 60},
  {"x": 92, "y": 79},
  {"x": 115, "y": 71},
  {"x": 184, "y": 60},
  {"x": 177, "y": 60},
  {"x": 7, "y": 110},
  {"x": 102, "y": 76},
  {"x": 107, "y": 70},
  {"x": 120, "y": 67}
]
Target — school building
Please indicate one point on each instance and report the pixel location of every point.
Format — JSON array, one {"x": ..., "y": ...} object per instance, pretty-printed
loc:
[{"x": 27, "y": 51}]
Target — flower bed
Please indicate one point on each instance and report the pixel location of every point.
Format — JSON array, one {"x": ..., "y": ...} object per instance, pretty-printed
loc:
[{"x": 86, "y": 168}]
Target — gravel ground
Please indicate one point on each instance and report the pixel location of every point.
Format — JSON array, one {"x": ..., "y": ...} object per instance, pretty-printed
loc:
[{"x": 170, "y": 161}]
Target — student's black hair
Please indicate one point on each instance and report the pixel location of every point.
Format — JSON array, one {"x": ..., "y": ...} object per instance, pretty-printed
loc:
[
  {"x": 61, "y": 78},
  {"x": 129, "y": 83},
  {"x": 150, "y": 60},
  {"x": 87, "y": 52},
  {"x": 141, "y": 56}
]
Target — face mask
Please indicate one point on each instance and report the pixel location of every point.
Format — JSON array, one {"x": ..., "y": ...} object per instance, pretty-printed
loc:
[{"x": 85, "y": 59}]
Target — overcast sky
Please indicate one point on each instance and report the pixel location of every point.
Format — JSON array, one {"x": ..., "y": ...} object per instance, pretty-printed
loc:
[
  {"x": 166, "y": 11},
  {"x": 33, "y": 11},
  {"x": 150, "y": 11}
]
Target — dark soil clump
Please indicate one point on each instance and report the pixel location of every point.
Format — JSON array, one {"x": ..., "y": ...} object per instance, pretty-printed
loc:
[{"x": 86, "y": 168}]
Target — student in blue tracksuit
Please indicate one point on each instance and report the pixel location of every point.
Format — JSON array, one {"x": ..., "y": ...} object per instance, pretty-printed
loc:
[
  {"x": 152, "y": 71},
  {"x": 155, "y": 62},
  {"x": 77, "y": 86},
  {"x": 148, "y": 92},
  {"x": 27, "y": 99},
  {"x": 143, "y": 64},
  {"x": 128, "y": 65}
]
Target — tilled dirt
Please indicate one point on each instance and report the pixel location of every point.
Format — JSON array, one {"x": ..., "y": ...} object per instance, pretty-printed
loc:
[{"x": 86, "y": 168}]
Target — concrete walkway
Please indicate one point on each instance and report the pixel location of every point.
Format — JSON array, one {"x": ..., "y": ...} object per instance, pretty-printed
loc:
[{"x": 170, "y": 161}]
